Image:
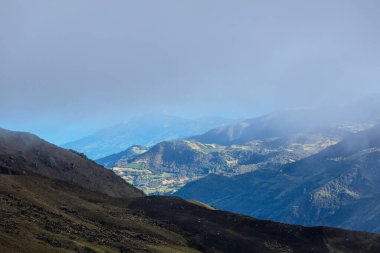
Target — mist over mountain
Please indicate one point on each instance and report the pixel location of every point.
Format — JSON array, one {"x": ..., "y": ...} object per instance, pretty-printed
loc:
[
  {"x": 284, "y": 123},
  {"x": 73, "y": 67},
  {"x": 145, "y": 130}
]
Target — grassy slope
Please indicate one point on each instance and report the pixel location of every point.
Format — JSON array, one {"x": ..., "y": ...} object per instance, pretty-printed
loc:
[{"x": 44, "y": 215}]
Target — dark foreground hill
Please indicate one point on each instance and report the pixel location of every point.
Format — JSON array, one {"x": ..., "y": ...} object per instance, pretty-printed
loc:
[
  {"x": 24, "y": 153},
  {"x": 44, "y": 215},
  {"x": 47, "y": 213}
]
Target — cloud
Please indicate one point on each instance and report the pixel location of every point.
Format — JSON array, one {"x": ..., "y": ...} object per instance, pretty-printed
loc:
[{"x": 96, "y": 59}]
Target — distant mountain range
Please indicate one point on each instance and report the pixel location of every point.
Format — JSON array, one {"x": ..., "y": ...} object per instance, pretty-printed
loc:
[
  {"x": 56, "y": 200},
  {"x": 268, "y": 141},
  {"x": 167, "y": 166},
  {"x": 309, "y": 167},
  {"x": 283, "y": 124},
  {"x": 338, "y": 186},
  {"x": 145, "y": 130}
]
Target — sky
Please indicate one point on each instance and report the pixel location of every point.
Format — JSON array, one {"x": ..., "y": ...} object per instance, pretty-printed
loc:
[{"x": 70, "y": 67}]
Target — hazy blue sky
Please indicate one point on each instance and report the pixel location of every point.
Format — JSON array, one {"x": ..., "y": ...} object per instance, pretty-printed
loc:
[{"x": 70, "y": 67}]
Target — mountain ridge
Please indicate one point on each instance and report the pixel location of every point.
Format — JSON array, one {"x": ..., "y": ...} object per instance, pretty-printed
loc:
[
  {"x": 318, "y": 190},
  {"x": 145, "y": 130}
]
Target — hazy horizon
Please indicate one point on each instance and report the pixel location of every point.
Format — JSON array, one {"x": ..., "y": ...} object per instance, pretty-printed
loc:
[{"x": 69, "y": 68}]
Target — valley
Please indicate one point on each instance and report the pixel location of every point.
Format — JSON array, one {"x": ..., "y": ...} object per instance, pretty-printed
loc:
[{"x": 168, "y": 166}]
